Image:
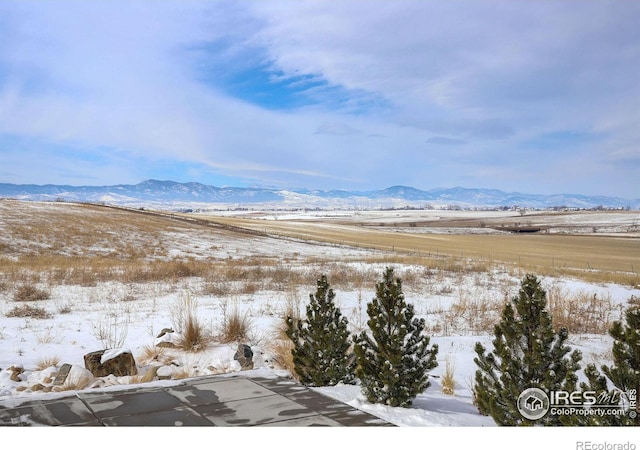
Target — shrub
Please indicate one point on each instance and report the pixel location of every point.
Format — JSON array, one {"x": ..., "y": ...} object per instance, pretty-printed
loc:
[
  {"x": 321, "y": 343},
  {"x": 30, "y": 293},
  {"x": 395, "y": 359},
  {"x": 111, "y": 330},
  {"x": 35, "y": 312},
  {"x": 527, "y": 353}
]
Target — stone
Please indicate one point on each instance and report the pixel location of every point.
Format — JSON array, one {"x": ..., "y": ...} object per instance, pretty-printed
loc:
[
  {"x": 164, "y": 331},
  {"x": 15, "y": 373},
  {"x": 62, "y": 375},
  {"x": 164, "y": 372},
  {"x": 244, "y": 355},
  {"x": 166, "y": 344},
  {"x": 37, "y": 387},
  {"x": 166, "y": 338},
  {"x": 121, "y": 364},
  {"x": 79, "y": 378}
]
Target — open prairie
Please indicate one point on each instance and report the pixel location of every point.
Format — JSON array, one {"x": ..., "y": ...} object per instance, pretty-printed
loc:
[{"x": 603, "y": 245}]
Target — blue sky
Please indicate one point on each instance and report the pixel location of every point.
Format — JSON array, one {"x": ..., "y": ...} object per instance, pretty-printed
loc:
[{"x": 539, "y": 97}]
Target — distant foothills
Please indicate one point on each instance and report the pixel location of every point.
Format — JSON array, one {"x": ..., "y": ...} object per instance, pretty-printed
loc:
[{"x": 174, "y": 195}]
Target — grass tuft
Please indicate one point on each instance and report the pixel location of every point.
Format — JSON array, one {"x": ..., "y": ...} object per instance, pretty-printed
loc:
[
  {"x": 236, "y": 326},
  {"x": 193, "y": 337},
  {"x": 448, "y": 379},
  {"x": 46, "y": 362}
]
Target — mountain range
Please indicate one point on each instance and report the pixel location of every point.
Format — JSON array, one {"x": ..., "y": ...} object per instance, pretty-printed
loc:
[{"x": 171, "y": 194}]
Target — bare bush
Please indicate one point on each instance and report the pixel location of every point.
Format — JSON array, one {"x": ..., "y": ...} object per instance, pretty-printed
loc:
[
  {"x": 112, "y": 329},
  {"x": 34, "y": 312},
  {"x": 30, "y": 293}
]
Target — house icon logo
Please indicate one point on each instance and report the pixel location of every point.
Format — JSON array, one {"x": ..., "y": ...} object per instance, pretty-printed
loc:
[{"x": 533, "y": 403}]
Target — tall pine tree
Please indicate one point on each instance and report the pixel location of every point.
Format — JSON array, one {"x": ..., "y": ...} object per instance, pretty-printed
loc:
[
  {"x": 394, "y": 359},
  {"x": 321, "y": 343},
  {"x": 624, "y": 374},
  {"x": 527, "y": 353}
]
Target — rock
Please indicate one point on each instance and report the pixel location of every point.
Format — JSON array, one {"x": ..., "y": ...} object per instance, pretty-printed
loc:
[
  {"x": 37, "y": 387},
  {"x": 164, "y": 331},
  {"x": 166, "y": 338},
  {"x": 164, "y": 372},
  {"x": 118, "y": 362},
  {"x": 166, "y": 344},
  {"x": 244, "y": 355},
  {"x": 149, "y": 375},
  {"x": 78, "y": 378},
  {"x": 62, "y": 375},
  {"x": 15, "y": 373}
]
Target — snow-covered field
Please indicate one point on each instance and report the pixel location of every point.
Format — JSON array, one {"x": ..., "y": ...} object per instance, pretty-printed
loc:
[{"x": 131, "y": 314}]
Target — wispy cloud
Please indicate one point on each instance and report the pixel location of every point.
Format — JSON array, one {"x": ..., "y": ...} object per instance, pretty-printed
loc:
[{"x": 443, "y": 140}]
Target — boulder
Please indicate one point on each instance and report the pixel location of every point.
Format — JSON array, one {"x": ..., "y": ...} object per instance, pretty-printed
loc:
[
  {"x": 244, "y": 355},
  {"x": 111, "y": 362}
]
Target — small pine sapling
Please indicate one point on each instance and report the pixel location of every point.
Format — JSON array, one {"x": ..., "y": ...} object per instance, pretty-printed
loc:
[
  {"x": 527, "y": 353},
  {"x": 321, "y": 350},
  {"x": 394, "y": 357}
]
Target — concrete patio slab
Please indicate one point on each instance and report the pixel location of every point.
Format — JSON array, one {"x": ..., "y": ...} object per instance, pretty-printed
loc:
[{"x": 226, "y": 401}]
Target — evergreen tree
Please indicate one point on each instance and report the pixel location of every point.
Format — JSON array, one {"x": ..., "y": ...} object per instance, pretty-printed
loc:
[
  {"x": 624, "y": 374},
  {"x": 527, "y": 353},
  {"x": 321, "y": 343},
  {"x": 394, "y": 359}
]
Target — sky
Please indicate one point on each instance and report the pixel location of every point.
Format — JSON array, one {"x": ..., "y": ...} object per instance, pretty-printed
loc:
[{"x": 537, "y": 97}]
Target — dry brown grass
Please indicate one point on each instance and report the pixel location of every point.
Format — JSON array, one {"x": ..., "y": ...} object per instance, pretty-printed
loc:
[
  {"x": 581, "y": 312},
  {"x": 473, "y": 314},
  {"x": 448, "y": 378},
  {"x": 76, "y": 381},
  {"x": 46, "y": 362},
  {"x": 184, "y": 314},
  {"x": 235, "y": 327},
  {"x": 33, "y": 312},
  {"x": 281, "y": 357},
  {"x": 151, "y": 354}
]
